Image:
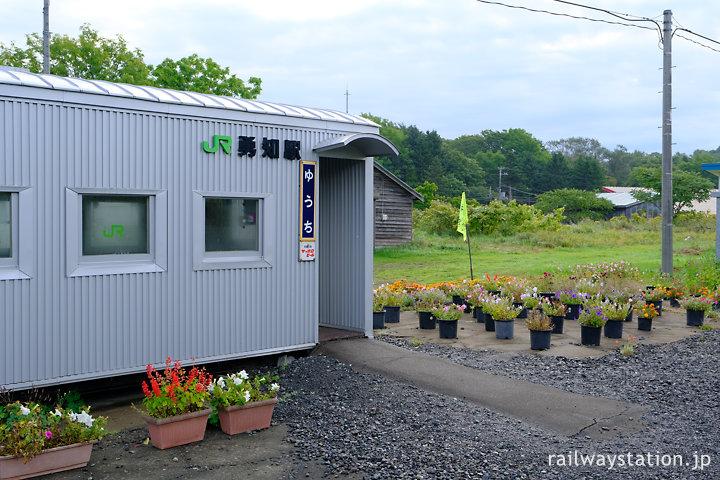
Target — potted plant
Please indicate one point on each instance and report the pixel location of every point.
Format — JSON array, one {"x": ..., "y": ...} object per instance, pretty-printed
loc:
[
  {"x": 591, "y": 321},
  {"x": 425, "y": 301},
  {"x": 572, "y": 301},
  {"x": 516, "y": 290},
  {"x": 176, "y": 409},
  {"x": 530, "y": 300},
  {"x": 37, "y": 440},
  {"x": 695, "y": 309},
  {"x": 378, "y": 307},
  {"x": 556, "y": 311},
  {"x": 503, "y": 314},
  {"x": 616, "y": 313},
  {"x": 541, "y": 329},
  {"x": 393, "y": 302},
  {"x": 655, "y": 296},
  {"x": 447, "y": 318},
  {"x": 545, "y": 284},
  {"x": 645, "y": 314},
  {"x": 244, "y": 404},
  {"x": 673, "y": 293},
  {"x": 491, "y": 285}
]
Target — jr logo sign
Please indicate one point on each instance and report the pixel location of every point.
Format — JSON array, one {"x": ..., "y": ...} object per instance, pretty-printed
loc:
[
  {"x": 218, "y": 141},
  {"x": 114, "y": 229}
]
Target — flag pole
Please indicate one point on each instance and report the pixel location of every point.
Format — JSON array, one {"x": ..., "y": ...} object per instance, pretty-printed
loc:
[
  {"x": 462, "y": 228},
  {"x": 470, "y": 256}
]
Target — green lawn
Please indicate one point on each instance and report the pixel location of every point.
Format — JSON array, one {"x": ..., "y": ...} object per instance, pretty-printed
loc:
[{"x": 432, "y": 258}]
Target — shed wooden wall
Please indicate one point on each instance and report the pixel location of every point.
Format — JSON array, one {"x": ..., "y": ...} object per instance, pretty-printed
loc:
[{"x": 396, "y": 203}]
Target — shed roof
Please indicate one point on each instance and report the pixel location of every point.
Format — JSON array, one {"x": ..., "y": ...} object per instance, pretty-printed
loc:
[
  {"x": 395, "y": 179},
  {"x": 620, "y": 199},
  {"x": 13, "y": 76}
]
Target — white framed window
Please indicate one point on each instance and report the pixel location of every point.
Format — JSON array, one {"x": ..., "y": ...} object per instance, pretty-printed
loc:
[
  {"x": 115, "y": 231},
  {"x": 232, "y": 230},
  {"x": 16, "y": 233}
]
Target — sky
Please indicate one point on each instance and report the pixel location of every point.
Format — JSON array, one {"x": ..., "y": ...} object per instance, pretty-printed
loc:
[{"x": 457, "y": 66}]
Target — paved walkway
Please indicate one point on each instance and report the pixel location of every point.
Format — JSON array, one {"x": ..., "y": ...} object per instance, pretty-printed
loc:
[{"x": 553, "y": 409}]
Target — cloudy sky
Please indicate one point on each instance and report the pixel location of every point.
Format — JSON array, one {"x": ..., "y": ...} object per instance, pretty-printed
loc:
[{"x": 456, "y": 66}]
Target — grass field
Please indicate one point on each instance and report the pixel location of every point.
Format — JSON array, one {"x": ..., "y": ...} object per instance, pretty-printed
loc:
[{"x": 433, "y": 258}]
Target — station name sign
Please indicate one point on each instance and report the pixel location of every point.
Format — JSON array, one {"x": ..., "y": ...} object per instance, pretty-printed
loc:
[{"x": 248, "y": 147}]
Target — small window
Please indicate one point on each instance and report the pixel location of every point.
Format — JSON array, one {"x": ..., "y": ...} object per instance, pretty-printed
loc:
[
  {"x": 115, "y": 225},
  {"x": 6, "y": 232},
  {"x": 233, "y": 230},
  {"x": 110, "y": 232},
  {"x": 231, "y": 225}
]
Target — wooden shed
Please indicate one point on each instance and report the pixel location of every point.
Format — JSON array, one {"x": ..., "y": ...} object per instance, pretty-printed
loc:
[{"x": 393, "y": 202}]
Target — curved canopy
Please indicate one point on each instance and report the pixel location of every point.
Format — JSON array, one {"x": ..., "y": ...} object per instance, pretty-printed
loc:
[{"x": 366, "y": 144}]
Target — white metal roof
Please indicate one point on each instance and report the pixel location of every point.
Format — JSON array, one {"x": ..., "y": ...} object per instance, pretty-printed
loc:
[
  {"x": 13, "y": 76},
  {"x": 620, "y": 199}
]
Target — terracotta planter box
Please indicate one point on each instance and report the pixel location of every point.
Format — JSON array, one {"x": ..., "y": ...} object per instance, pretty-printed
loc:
[
  {"x": 251, "y": 416},
  {"x": 53, "y": 460},
  {"x": 178, "y": 430}
]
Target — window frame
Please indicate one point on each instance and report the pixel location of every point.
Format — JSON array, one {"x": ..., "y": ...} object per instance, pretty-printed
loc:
[
  {"x": 20, "y": 264},
  {"x": 262, "y": 258},
  {"x": 79, "y": 265}
]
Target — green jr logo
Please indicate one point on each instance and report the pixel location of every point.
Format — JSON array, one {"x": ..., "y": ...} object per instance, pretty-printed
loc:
[
  {"x": 218, "y": 141},
  {"x": 119, "y": 229}
]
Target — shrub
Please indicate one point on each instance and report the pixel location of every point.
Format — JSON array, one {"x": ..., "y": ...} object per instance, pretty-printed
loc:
[{"x": 577, "y": 204}]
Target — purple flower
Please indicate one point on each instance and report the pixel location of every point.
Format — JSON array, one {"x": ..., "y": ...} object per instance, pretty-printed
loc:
[{"x": 48, "y": 434}]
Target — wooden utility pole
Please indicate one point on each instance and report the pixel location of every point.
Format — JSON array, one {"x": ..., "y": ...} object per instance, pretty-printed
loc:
[{"x": 666, "y": 199}]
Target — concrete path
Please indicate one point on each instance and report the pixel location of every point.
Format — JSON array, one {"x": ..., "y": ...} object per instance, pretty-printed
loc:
[{"x": 550, "y": 408}]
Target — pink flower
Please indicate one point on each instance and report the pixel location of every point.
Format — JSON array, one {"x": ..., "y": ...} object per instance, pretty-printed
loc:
[{"x": 48, "y": 434}]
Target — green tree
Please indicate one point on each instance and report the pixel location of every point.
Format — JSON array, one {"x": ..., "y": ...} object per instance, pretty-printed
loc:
[
  {"x": 687, "y": 187},
  {"x": 202, "y": 75},
  {"x": 588, "y": 174},
  {"x": 427, "y": 190},
  {"x": 578, "y": 204},
  {"x": 93, "y": 57}
]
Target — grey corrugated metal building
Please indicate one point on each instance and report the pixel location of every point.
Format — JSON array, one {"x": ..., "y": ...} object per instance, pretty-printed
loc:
[{"x": 138, "y": 223}]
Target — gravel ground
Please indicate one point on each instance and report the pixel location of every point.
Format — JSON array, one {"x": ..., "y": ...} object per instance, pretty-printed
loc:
[{"x": 355, "y": 425}]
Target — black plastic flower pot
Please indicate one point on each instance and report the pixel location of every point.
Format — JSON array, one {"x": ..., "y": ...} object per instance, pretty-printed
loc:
[
  {"x": 378, "y": 320},
  {"x": 694, "y": 318},
  {"x": 674, "y": 302},
  {"x": 558, "y": 322},
  {"x": 457, "y": 300},
  {"x": 427, "y": 321},
  {"x": 645, "y": 324},
  {"x": 547, "y": 294},
  {"x": 658, "y": 305},
  {"x": 447, "y": 328},
  {"x": 614, "y": 328},
  {"x": 540, "y": 339},
  {"x": 590, "y": 335},
  {"x": 523, "y": 313},
  {"x": 489, "y": 323},
  {"x": 392, "y": 314},
  {"x": 629, "y": 316},
  {"x": 573, "y": 312},
  {"x": 504, "y": 329},
  {"x": 479, "y": 314}
]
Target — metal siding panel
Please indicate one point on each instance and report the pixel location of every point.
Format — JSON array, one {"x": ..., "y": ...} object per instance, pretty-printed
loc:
[{"x": 59, "y": 328}]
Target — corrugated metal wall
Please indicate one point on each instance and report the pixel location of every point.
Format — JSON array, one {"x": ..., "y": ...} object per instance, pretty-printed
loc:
[
  {"x": 56, "y": 328},
  {"x": 342, "y": 266}
]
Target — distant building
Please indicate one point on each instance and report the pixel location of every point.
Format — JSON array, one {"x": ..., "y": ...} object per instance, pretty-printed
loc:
[
  {"x": 626, "y": 204},
  {"x": 393, "y": 203}
]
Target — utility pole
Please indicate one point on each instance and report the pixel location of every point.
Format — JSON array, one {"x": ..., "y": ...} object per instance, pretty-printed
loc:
[
  {"x": 666, "y": 198},
  {"x": 46, "y": 37},
  {"x": 347, "y": 99},
  {"x": 500, "y": 175}
]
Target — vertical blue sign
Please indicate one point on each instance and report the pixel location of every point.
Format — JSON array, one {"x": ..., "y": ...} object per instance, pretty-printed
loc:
[{"x": 308, "y": 182}]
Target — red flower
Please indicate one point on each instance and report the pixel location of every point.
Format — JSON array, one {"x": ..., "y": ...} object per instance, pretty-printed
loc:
[
  {"x": 146, "y": 390},
  {"x": 156, "y": 388},
  {"x": 199, "y": 387}
]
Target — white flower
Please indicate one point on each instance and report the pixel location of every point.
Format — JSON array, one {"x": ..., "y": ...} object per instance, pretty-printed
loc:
[
  {"x": 24, "y": 410},
  {"x": 73, "y": 416},
  {"x": 274, "y": 387},
  {"x": 237, "y": 380},
  {"x": 85, "y": 418},
  {"x": 221, "y": 382},
  {"x": 243, "y": 374},
  {"x": 56, "y": 413},
  {"x": 247, "y": 396}
]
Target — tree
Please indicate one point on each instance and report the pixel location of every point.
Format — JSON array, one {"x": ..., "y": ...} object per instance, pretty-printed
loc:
[
  {"x": 578, "y": 204},
  {"x": 687, "y": 187},
  {"x": 575, "y": 147},
  {"x": 587, "y": 174},
  {"x": 93, "y": 57}
]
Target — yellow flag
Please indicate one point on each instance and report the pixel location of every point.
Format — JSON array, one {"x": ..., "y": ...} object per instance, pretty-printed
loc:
[{"x": 463, "y": 218}]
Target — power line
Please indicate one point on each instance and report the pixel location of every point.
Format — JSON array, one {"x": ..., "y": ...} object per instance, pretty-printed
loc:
[
  {"x": 622, "y": 16},
  {"x": 577, "y": 17},
  {"x": 695, "y": 41}
]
